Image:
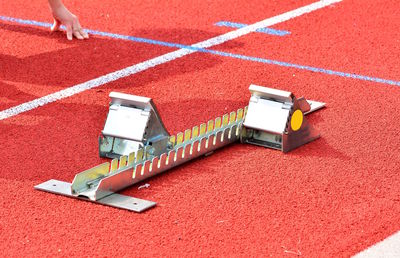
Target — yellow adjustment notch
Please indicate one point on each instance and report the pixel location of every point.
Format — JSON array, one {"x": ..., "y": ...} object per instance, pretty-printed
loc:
[
  {"x": 195, "y": 132},
  {"x": 114, "y": 165}
]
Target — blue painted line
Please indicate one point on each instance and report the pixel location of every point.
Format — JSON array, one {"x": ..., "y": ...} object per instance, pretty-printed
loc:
[
  {"x": 26, "y": 22},
  {"x": 307, "y": 68},
  {"x": 215, "y": 52},
  {"x": 100, "y": 33},
  {"x": 263, "y": 30}
]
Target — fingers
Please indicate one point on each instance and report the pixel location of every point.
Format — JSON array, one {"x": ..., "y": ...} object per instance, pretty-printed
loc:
[
  {"x": 69, "y": 31},
  {"x": 78, "y": 32},
  {"x": 72, "y": 26},
  {"x": 84, "y": 33},
  {"x": 56, "y": 25}
]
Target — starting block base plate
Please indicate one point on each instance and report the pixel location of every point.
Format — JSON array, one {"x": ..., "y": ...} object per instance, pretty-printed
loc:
[{"x": 114, "y": 200}]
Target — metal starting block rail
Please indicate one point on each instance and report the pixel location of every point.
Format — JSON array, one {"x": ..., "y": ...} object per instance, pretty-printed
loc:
[{"x": 136, "y": 138}]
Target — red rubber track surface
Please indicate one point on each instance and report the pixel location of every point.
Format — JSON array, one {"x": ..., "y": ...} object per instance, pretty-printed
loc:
[{"x": 333, "y": 197}]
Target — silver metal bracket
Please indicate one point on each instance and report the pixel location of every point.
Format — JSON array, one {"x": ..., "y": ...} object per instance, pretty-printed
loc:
[
  {"x": 114, "y": 200},
  {"x": 275, "y": 119},
  {"x": 132, "y": 123}
]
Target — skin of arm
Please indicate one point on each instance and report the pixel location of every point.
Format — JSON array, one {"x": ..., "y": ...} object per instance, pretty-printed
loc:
[{"x": 62, "y": 16}]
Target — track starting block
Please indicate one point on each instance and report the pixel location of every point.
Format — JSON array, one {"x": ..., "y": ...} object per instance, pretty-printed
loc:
[{"x": 137, "y": 140}]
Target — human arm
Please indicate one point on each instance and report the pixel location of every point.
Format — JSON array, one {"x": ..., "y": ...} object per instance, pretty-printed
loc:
[{"x": 62, "y": 16}]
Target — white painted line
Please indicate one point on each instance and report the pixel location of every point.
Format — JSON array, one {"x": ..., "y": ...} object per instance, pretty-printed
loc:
[
  {"x": 387, "y": 248},
  {"x": 161, "y": 59}
]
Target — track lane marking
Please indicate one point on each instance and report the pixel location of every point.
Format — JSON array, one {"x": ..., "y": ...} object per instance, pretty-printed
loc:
[
  {"x": 219, "y": 53},
  {"x": 110, "y": 77},
  {"x": 387, "y": 248},
  {"x": 269, "y": 31}
]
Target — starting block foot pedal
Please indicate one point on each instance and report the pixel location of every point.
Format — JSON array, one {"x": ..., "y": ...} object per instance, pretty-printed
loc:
[
  {"x": 276, "y": 119},
  {"x": 132, "y": 123}
]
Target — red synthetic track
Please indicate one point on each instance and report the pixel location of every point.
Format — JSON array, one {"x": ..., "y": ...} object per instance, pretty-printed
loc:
[{"x": 333, "y": 197}]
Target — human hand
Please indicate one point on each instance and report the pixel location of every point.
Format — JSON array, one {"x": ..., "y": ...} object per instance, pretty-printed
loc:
[{"x": 62, "y": 16}]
